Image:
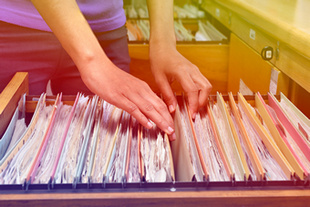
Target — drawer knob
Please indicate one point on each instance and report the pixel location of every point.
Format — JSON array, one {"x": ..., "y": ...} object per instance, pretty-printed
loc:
[{"x": 267, "y": 53}]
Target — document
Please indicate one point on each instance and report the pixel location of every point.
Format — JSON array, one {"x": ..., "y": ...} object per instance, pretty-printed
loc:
[
  {"x": 109, "y": 127},
  {"x": 116, "y": 170},
  {"x": 228, "y": 143},
  {"x": 18, "y": 163},
  {"x": 207, "y": 32},
  {"x": 185, "y": 155},
  {"x": 273, "y": 161},
  {"x": 209, "y": 148},
  {"x": 244, "y": 150},
  {"x": 254, "y": 163},
  {"x": 293, "y": 140},
  {"x": 68, "y": 161},
  {"x": 133, "y": 173},
  {"x": 86, "y": 136},
  {"x": 297, "y": 118},
  {"x": 96, "y": 142},
  {"x": 155, "y": 152}
]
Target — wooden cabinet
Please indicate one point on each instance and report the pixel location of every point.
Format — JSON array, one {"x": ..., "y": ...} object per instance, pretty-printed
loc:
[
  {"x": 224, "y": 64},
  {"x": 164, "y": 194},
  {"x": 283, "y": 26},
  {"x": 256, "y": 73}
]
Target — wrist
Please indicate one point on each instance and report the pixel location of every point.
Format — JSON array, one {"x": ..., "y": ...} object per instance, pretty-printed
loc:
[
  {"x": 92, "y": 65},
  {"x": 161, "y": 51},
  {"x": 164, "y": 42}
]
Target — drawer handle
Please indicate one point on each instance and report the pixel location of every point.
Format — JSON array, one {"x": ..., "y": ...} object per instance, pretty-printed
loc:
[{"x": 267, "y": 53}]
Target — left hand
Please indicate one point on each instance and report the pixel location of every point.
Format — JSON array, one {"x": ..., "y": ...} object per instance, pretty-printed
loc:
[{"x": 167, "y": 66}]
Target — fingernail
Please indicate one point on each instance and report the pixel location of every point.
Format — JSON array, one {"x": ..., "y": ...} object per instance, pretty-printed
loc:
[
  {"x": 194, "y": 116},
  {"x": 150, "y": 125},
  {"x": 170, "y": 130},
  {"x": 172, "y": 137},
  {"x": 171, "y": 108}
]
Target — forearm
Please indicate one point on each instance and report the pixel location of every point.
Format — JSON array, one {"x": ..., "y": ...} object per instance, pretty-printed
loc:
[
  {"x": 162, "y": 23},
  {"x": 72, "y": 30}
]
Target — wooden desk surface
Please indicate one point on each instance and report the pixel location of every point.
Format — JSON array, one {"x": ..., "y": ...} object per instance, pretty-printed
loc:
[{"x": 285, "y": 20}]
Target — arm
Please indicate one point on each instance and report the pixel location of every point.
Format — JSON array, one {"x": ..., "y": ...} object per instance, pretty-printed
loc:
[
  {"x": 99, "y": 74},
  {"x": 168, "y": 64}
]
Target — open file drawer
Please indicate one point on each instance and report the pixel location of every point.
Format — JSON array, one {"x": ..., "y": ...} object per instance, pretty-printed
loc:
[{"x": 183, "y": 193}]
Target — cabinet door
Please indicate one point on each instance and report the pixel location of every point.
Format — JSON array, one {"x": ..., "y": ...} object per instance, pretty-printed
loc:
[{"x": 258, "y": 74}]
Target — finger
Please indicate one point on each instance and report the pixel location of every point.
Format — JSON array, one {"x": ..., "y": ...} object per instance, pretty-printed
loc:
[
  {"x": 204, "y": 94},
  {"x": 146, "y": 103},
  {"x": 191, "y": 91},
  {"x": 166, "y": 90},
  {"x": 193, "y": 102},
  {"x": 172, "y": 137},
  {"x": 133, "y": 110},
  {"x": 151, "y": 112},
  {"x": 204, "y": 89},
  {"x": 161, "y": 108},
  {"x": 147, "y": 94}
]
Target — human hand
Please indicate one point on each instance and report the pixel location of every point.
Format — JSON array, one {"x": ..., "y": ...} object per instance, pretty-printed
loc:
[
  {"x": 98, "y": 73},
  {"x": 167, "y": 66},
  {"x": 131, "y": 94}
]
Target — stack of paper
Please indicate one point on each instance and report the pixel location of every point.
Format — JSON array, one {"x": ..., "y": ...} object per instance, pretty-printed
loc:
[
  {"x": 207, "y": 32},
  {"x": 92, "y": 141},
  {"x": 89, "y": 142},
  {"x": 156, "y": 156}
]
